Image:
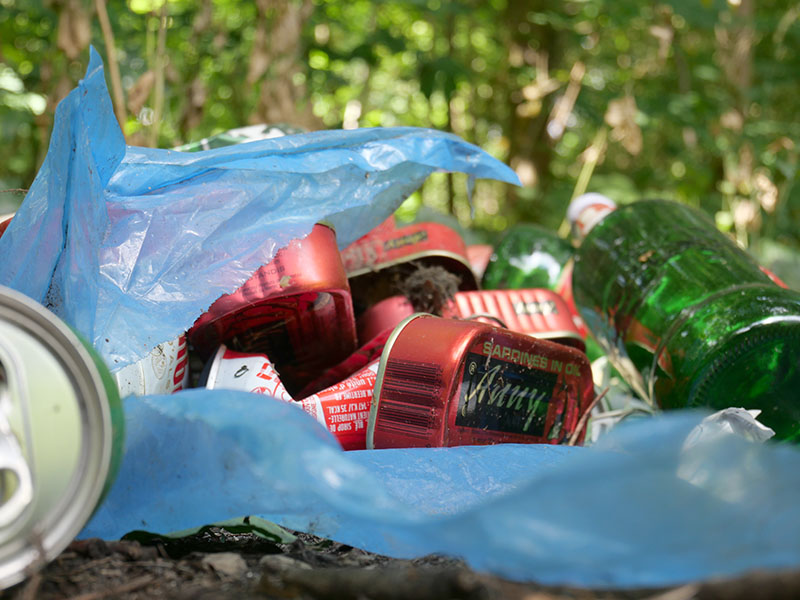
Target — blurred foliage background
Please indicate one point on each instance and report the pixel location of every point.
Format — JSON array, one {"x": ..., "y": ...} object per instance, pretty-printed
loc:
[{"x": 685, "y": 99}]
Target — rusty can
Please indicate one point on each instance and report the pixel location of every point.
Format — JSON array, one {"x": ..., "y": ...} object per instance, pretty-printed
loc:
[
  {"x": 297, "y": 310},
  {"x": 61, "y": 435},
  {"x": 448, "y": 382},
  {"x": 342, "y": 408},
  {"x": 164, "y": 371}
]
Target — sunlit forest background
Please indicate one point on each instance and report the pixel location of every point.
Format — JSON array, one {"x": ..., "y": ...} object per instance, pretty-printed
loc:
[{"x": 693, "y": 100}]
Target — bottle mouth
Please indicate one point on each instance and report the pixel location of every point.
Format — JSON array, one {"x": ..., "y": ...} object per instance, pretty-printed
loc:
[{"x": 758, "y": 368}]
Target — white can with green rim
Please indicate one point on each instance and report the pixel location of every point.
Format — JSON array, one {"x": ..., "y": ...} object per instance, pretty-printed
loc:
[{"x": 61, "y": 435}]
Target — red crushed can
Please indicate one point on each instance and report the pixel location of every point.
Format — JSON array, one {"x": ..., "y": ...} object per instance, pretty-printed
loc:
[
  {"x": 297, "y": 309},
  {"x": 447, "y": 382},
  {"x": 538, "y": 312},
  {"x": 342, "y": 408}
]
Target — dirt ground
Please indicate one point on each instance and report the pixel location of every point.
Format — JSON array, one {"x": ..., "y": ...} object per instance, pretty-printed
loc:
[{"x": 217, "y": 564}]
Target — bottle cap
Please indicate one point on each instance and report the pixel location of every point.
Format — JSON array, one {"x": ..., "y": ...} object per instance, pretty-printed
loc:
[{"x": 585, "y": 211}]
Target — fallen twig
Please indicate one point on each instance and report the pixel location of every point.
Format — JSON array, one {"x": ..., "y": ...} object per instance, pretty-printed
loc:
[{"x": 585, "y": 417}]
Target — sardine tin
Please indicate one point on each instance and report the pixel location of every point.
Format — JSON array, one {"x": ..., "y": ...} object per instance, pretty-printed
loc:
[{"x": 447, "y": 382}]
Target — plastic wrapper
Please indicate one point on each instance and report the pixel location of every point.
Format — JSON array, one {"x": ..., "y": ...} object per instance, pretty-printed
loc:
[
  {"x": 130, "y": 245},
  {"x": 640, "y": 508}
]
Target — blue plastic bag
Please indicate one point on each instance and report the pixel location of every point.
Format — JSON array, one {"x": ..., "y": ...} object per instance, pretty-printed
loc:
[
  {"x": 642, "y": 508},
  {"x": 130, "y": 245}
]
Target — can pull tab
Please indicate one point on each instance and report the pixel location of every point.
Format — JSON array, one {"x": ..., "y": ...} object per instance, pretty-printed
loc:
[{"x": 16, "y": 482}]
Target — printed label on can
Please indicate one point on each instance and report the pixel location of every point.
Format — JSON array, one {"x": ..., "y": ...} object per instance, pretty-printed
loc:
[
  {"x": 344, "y": 407},
  {"x": 535, "y": 307},
  {"x": 509, "y": 390},
  {"x": 409, "y": 239},
  {"x": 254, "y": 373},
  {"x": 164, "y": 371}
]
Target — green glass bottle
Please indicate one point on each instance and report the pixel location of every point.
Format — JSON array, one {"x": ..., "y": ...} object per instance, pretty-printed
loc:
[
  {"x": 528, "y": 256},
  {"x": 687, "y": 317}
]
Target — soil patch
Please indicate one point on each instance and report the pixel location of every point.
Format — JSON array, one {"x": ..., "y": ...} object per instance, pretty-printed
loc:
[{"x": 220, "y": 565}]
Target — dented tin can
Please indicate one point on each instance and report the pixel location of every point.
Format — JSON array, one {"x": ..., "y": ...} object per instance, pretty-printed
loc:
[
  {"x": 343, "y": 408},
  {"x": 164, "y": 371},
  {"x": 447, "y": 382},
  {"x": 61, "y": 435},
  {"x": 297, "y": 309},
  {"x": 538, "y": 312},
  {"x": 390, "y": 246}
]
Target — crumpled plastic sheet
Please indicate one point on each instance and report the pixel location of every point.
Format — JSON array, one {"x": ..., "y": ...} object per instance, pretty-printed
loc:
[
  {"x": 643, "y": 507},
  {"x": 130, "y": 245}
]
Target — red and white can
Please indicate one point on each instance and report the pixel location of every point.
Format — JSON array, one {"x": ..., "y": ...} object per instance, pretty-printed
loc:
[
  {"x": 247, "y": 372},
  {"x": 343, "y": 408},
  {"x": 164, "y": 371}
]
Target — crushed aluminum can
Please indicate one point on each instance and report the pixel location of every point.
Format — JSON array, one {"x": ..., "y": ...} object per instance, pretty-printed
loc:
[
  {"x": 447, "y": 382},
  {"x": 342, "y": 408},
  {"x": 389, "y": 246},
  {"x": 61, "y": 435},
  {"x": 255, "y": 373},
  {"x": 538, "y": 312},
  {"x": 164, "y": 371},
  {"x": 297, "y": 309}
]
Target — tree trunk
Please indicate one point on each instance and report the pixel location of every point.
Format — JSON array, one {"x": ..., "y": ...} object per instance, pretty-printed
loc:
[{"x": 530, "y": 150}]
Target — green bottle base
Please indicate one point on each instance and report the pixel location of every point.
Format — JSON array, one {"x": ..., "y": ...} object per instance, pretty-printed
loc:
[{"x": 757, "y": 369}]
